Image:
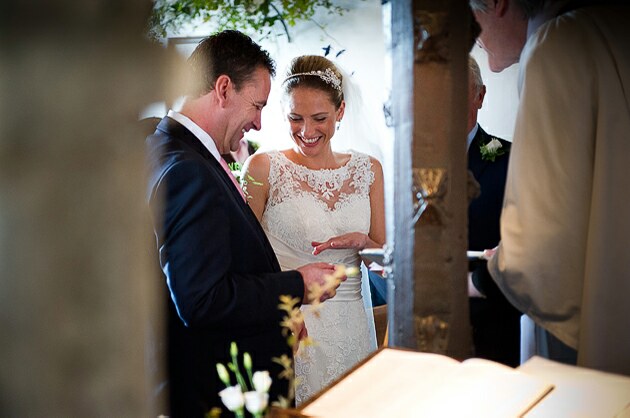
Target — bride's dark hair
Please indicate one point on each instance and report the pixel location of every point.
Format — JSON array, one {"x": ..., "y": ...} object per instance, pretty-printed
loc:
[{"x": 303, "y": 71}]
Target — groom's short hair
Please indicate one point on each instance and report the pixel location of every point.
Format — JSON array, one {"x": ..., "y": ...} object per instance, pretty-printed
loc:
[{"x": 230, "y": 53}]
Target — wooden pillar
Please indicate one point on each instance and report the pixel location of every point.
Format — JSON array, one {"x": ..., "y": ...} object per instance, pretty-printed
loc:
[
  {"x": 399, "y": 262},
  {"x": 77, "y": 288},
  {"x": 430, "y": 44}
]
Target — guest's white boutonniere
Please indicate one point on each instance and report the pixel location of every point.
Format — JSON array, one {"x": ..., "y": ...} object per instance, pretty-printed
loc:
[{"x": 491, "y": 150}]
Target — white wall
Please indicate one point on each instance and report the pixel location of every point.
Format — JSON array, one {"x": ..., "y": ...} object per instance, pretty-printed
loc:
[{"x": 499, "y": 107}]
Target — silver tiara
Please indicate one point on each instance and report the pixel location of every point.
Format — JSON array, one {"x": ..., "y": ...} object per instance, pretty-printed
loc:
[{"x": 327, "y": 75}]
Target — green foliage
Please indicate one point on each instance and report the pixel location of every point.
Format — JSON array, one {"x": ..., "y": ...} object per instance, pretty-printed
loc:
[{"x": 259, "y": 16}]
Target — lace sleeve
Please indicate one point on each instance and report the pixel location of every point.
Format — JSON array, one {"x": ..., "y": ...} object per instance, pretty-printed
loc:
[{"x": 363, "y": 177}]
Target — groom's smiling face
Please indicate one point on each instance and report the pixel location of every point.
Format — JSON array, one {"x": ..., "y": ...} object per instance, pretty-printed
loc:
[{"x": 246, "y": 108}]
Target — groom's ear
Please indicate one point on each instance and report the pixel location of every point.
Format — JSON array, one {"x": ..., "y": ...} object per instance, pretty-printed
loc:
[{"x": 222, "y": 89}]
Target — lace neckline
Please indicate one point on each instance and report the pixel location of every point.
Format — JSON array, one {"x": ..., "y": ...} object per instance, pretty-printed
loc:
[
  {"x": 325, "y": 170},
  {"x": 330, "y": 187}
]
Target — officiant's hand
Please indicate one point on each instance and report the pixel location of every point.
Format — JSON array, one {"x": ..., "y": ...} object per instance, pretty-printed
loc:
[
  {"x": 356, "y": 240},
  {"x": 488, "y": 254},
  {"x": 318, "y": 285}
]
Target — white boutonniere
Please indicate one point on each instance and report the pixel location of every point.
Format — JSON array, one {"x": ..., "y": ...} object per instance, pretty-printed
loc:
[{"x": 491, "y": 150}]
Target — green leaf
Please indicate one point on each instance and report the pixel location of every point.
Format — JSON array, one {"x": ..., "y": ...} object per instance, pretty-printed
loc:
[{"x": 245, "y": 15}]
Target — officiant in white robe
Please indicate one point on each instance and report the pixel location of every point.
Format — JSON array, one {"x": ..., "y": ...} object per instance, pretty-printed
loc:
[{"x": 564, "y": 256}]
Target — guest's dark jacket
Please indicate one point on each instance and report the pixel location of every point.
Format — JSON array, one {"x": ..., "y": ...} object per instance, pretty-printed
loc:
[
  {"x": 222, "y": 278},
  {"x": 496, "y": 324},
  {"x": 484, "y": 212}
]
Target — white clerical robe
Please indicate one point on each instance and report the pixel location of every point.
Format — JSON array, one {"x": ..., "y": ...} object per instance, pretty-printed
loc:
[{"x": 564, "y": 259}]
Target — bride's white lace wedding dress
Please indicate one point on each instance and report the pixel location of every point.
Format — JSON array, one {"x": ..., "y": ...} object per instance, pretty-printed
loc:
[{"x": 307, "y": 205}]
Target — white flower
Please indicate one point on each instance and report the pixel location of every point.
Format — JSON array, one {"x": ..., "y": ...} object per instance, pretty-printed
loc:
[
  {"x": 262, "y": 381},
  {"x": 491, "y": 150},
  {"x": 493, "y": 145},
  {"x": 232, "y": 398},
  {"x": 256, "y": 402}
]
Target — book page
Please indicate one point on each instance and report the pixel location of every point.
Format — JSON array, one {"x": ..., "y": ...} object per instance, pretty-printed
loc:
[
  {"x": 391, "y": 378},
  {"x": 580, "y": 392},
  {"x": 483, "y": 388},
  {"x": 400, "y": 383}
]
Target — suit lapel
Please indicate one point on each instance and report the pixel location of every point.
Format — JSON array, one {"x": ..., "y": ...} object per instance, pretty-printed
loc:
[
  {"x": 476, "y": 164},
  {"x": 179, "y": 132}
]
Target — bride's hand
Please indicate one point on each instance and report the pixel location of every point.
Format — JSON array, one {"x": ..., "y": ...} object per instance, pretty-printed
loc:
[{"x": 355, "y": 240}]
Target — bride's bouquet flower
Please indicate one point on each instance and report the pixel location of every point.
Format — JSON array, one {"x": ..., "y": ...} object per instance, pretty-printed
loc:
[{"x": 491, "y": 150}]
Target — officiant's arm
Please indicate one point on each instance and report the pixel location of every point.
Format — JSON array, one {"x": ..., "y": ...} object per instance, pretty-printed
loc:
[
  {"x": 255, "y": 182},
  {"x": 357, "y": 240}
]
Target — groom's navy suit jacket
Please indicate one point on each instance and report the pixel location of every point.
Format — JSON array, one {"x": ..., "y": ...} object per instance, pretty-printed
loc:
[
  {"x": 495, "y": 323},
  {"x": 223, "y": 281}
]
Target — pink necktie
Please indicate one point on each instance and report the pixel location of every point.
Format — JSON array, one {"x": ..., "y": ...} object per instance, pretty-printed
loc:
[{"x": 229, "y": 173}]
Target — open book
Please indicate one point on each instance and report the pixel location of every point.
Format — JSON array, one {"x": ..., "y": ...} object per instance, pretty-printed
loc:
[
  {"x": 401, "y": 383},
  {"x": 579, "y": 392}
]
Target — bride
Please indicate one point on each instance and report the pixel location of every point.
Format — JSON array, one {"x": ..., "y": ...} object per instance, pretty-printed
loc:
[{"x": 320, "y": 205}]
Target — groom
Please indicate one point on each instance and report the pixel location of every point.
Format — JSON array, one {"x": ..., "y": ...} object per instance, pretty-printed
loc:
[{"x": 223, "y": 278}]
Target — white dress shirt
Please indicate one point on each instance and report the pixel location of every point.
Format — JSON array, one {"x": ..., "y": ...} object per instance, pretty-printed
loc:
[
  {"x": 471, "y": 136},
  {"x": 201, "y": 135}
]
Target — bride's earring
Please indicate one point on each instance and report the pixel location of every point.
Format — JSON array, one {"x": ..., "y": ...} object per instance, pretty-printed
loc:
[{"x": 337, "y": 126}]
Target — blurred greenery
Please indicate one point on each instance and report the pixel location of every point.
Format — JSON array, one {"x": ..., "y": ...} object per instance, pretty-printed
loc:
[{"x": 265, "y": 17}]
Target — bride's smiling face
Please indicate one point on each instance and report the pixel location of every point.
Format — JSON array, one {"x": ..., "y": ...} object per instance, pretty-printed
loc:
[{"x": 312, "y": 117}]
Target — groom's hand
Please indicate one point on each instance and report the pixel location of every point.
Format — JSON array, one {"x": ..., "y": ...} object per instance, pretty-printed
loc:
[{"x": 318, "y": 285}]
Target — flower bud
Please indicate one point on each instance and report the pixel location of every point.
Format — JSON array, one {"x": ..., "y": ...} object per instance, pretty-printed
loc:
[
  {"x": 223, "y": 374},
  {"x": 247, "y": 361}
]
